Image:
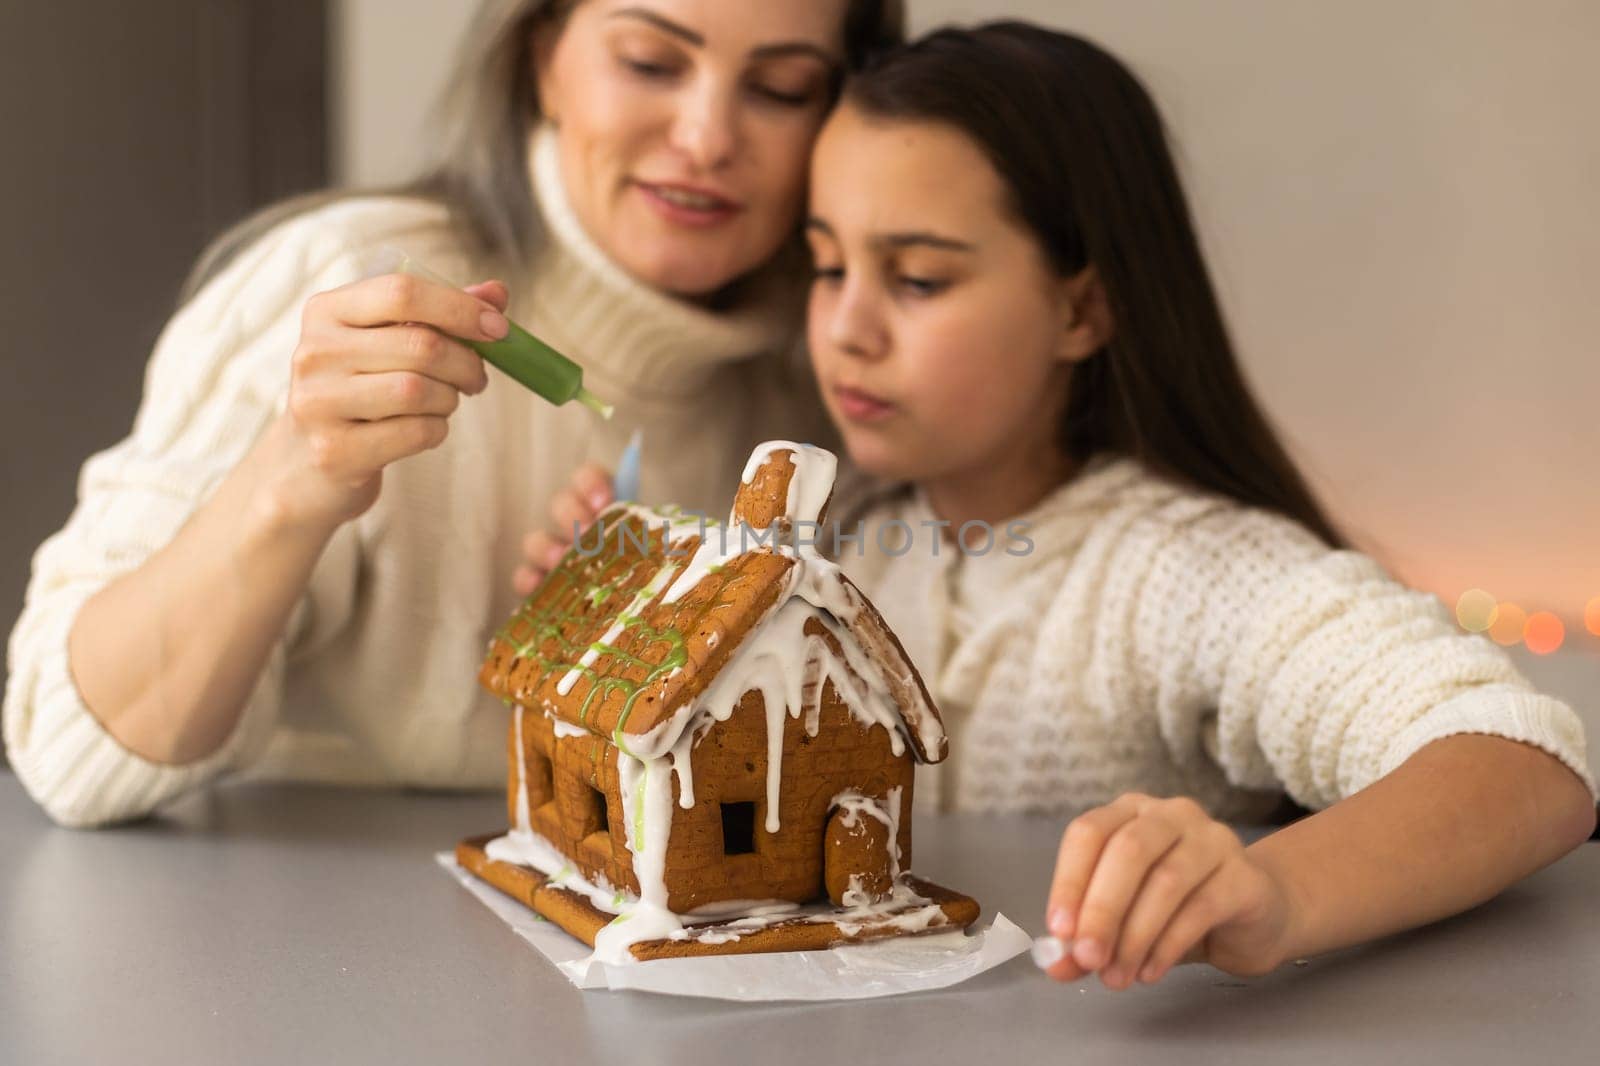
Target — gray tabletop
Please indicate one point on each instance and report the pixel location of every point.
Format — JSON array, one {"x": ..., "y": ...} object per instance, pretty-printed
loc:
[{"x": 268, "y": 924}]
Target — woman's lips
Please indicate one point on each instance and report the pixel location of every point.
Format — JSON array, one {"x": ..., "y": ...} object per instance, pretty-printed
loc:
[
  {"x": 859, "y": 406},
  {"x": 688, "y": 205}
]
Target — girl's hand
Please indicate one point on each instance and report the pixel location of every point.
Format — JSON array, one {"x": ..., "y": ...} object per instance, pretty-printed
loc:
[
  {"x": 1142, "y": 884},
  {"x": 374, "y": 378},
  {"x": 573, "y": 509}
]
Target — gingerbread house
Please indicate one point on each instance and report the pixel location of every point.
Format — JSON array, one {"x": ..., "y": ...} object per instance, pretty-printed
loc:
[{"x": 713, "y": 734}]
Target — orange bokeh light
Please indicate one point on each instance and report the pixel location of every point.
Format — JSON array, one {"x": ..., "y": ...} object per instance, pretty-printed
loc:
[
  {"x": 1508, "y": 624},
  {"x": 1475, "y": 610},
  {"x": 1591, "y": 616},
  {"x": 1543, "y": 633}
]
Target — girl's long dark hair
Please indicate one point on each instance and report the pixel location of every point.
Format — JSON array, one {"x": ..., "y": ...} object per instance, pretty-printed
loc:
[{"x": 1083, "y": 152}]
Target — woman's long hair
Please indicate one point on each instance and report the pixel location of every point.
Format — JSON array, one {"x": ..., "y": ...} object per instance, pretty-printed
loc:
[
  {"x": 1082, "y": 150},
  {"x": 479, "y": 166}
]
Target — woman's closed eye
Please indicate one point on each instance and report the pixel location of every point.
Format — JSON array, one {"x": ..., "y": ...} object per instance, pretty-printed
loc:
[
  {"x": 784, "y": 95},
  {"x": 824, "y": 273},
  {"x": 648, "y": 69}
]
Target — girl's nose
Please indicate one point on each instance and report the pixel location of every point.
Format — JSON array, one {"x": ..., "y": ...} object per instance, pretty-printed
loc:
[
  {"x": 704, "y": 130},
  {"x": 856, "y": 327}
]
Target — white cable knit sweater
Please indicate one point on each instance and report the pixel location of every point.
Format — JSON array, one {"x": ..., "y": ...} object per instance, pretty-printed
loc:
[
  {"x": 1162, "y": 640},
  {"x": 375, "y": 681}
]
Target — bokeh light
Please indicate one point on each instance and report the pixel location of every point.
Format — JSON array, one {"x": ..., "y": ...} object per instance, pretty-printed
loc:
[
  {"x": 1476, "y": 610},
  {"x": 1508, "y": 624},
  {"x": 1591, "y": 616},
  {"x": 1543, "y": 633}
]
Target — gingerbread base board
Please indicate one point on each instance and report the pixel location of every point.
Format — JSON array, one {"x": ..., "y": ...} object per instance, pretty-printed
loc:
[{"x": 574, "y": 913}]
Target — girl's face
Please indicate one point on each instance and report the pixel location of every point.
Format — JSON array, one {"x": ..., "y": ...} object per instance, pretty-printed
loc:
[
  {"x": 686, "y": 125},
  {"x": 940, "y": 335}
]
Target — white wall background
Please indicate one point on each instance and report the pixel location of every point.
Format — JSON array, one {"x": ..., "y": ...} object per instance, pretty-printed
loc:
[{"x": 1398, "y": 200}]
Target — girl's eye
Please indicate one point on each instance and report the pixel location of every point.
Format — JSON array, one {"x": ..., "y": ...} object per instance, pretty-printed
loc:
[
  {"x": 922, "y": 286},
  {"x": 828, "y": 274}
]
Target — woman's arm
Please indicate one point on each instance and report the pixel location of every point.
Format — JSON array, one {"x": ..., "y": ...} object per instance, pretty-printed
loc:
[
  {"x": 167, "y": 654},
  {"x": 1142, "y": 884}
]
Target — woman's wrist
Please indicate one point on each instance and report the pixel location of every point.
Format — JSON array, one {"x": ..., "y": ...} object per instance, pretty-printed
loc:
[{"x": 288, "y": 497}]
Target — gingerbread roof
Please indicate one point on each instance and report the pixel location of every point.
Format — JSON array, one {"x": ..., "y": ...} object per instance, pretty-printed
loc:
[{"x": 642, "y": 615}]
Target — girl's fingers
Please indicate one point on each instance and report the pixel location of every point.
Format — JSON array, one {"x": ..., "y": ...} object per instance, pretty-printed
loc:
[
  {"x": 592, "y": 482},
  {"x": 1066, "y": 970},
  {"x": 526, "y": 579},
  {"x": 543, "y": 550},
  {"x": 1206, "y": 907},
  {"x": 1124, "y": 862},
  {"x": 1081, "y": 845},
  {"x": 572, "y": 515},
  {"x": 395, "y": 298},
  {"x": 1179, "y": 872}
]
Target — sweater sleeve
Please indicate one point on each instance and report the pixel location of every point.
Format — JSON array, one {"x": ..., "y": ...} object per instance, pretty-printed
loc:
[
  {"x": 217, "y": 376},
  {"x": 1297, "y": 667}
]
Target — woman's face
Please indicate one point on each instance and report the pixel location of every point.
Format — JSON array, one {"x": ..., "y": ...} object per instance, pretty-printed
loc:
[
  {"x": 686, "y": 126},
  {"x": 937, "y": 328}
]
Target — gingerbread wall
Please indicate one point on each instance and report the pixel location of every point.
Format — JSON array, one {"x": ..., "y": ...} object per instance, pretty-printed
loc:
[{"x": 719, "y": 848}]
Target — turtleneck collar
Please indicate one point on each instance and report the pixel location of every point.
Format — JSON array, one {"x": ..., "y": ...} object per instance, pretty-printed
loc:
[{"x": 637, "y": 337}]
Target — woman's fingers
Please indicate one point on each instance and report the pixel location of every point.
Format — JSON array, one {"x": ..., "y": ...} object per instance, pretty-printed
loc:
[
  {"x": 491, "y": 292},
  {"x": 360, "y": 449},
  {"x": 395, "y": 298},
  {"x": 373, "y": 397},
  {"x": 419, "y": 349}
]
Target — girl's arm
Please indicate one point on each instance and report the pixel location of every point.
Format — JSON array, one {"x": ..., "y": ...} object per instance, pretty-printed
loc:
[{"x": 1142, "y": 884}]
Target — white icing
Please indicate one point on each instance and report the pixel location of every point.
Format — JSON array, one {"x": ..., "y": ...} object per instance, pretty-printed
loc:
[
  {"x": 810, "y": 485},
  {"x": 742, "y": 908},
  {"x": 790, "y": 669},
  {"x": 640, "y": 600},
  {"x": 524, "y": 847},
  {"x": 522, "y": 772},
  {"x": 1047, "y": 951},
  {"x": 564, "y": 728},
  {"x": 646, "y": 786},
  {"x": 638, "y": 920}
]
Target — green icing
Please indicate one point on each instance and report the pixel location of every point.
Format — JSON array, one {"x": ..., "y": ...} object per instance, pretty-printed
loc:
[
  {"x": 638, "y": 814},
  {"x": 549, "y": 624}
]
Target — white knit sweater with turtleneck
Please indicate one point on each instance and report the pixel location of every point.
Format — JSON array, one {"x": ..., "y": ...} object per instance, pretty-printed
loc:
[
  {"x": 375, "y": 680},
  {"x": 1163, "y": 640}
]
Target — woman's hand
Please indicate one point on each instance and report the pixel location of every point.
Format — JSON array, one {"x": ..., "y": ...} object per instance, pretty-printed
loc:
[
  {"x": 573, "y": 509},
  {"x": 374, "y": 379},
  {"x": 1142, "y": 884}
]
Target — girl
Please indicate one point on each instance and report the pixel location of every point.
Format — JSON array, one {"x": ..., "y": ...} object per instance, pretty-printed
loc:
[
  {"x": 1011, "y": 318},
  {"x": 286, "y": 567}
]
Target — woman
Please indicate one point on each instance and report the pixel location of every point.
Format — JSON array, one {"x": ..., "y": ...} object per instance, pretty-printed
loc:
[{"x": 254, "y": 578}]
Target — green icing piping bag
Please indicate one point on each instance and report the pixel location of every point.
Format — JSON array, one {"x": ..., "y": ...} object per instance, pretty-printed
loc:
[{"x": 519, "y": 353}]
